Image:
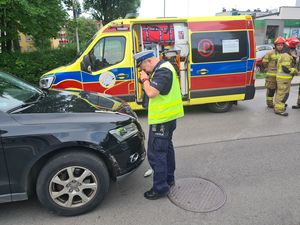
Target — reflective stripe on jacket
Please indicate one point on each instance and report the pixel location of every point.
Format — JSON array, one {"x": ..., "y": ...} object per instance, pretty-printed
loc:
[
  {"x": 287, "y": 61},
  {"x": 270, "y": 61}
]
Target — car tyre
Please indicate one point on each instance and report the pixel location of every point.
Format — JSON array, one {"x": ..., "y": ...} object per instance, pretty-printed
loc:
[
  {"x": 219, "y": 107},
  {"x": 72, "y": 183}
]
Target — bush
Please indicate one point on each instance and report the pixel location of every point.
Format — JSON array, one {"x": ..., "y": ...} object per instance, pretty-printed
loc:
[
  {"x": 260, "y": 75},
  {"x": 31, "y": 65}
]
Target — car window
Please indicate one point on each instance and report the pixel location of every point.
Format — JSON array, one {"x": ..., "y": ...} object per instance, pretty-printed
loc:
[
  {"x": 264, "y": 48},
  {"x": 260, "y": 48},
  {"x": 107, "y": 52},
  {"x": 15, "y": 92},
  {"x": 219, "y": 46}
]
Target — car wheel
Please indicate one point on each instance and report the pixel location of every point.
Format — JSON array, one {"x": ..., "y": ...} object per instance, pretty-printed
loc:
[
  {"x": 72, "y": 183},
  {"x": 219, "y": 107}
]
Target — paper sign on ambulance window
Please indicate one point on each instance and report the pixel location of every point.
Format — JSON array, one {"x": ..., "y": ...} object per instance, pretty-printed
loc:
[{"x": 230, "y": 46}]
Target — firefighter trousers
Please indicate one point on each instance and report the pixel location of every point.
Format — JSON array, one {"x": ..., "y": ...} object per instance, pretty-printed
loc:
[
  {"x": 271, "y": 86},
  {"x": 282, "y": 94},
  {"x": 161, "y": 155}
]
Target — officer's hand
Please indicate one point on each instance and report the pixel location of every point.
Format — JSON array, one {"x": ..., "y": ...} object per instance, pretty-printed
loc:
[
  {"x": 286, "y": 70},
  {"x": 144, "y": 75}
]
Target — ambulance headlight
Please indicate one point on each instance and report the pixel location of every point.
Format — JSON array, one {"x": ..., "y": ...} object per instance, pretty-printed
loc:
[
  {"x": 122, "y": 133},
  {"x": 46, "y": 82}
]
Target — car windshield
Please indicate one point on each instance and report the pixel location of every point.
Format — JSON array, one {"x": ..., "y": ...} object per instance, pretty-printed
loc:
[{"x": 15, "y": 92}]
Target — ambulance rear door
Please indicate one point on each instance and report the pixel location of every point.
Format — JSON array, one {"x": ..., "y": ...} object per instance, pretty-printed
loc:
[
  {"x": 218, "y": 61},
  {"x": 169, "y": 40}
]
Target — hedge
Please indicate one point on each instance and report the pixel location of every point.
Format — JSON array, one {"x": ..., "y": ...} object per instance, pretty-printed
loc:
[{"x": 30, "y": 66}]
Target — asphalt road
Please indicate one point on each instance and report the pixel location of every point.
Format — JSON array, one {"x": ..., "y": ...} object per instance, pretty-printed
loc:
[{"x": 251, "y": 152}]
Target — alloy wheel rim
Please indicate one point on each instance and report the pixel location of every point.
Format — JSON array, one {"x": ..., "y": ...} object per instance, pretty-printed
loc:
[{"x": 73, "y": 186}]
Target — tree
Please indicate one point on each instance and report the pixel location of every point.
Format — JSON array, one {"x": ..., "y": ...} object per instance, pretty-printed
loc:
[
  {"x": 108, "y": 10},
  {"x": 86, "y": 29},
  {"x": 37, "y": 18}
]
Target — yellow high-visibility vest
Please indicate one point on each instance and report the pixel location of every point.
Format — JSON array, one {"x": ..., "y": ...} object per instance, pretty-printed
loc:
[{"x": 164, "y": 108}]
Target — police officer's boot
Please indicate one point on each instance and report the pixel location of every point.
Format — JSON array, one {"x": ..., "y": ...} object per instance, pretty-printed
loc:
[
  {"x": 282, "y": 113},
  {"x": 296, "y": 106}
]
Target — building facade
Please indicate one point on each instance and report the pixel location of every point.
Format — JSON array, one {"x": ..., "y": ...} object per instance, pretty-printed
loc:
[
  {"x": 285, "y": 23},
  {"x": 272, "y": 23}
]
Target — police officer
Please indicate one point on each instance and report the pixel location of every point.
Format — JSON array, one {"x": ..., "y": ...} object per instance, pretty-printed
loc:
[
  {"x": 270, "y": 61},
  {"x": 160, "y": 83},
  {"x": 285, "y": 72}
]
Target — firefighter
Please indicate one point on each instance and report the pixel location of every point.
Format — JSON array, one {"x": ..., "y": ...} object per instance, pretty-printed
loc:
[
  {"x": 285, "y": 72},
  {"x": 270, "y": 64}
]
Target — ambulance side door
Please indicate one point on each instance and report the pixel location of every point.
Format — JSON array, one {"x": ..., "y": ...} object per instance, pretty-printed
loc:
[
  {"x": 218, "y": 63},
  {"x": 107, "y": 67}
]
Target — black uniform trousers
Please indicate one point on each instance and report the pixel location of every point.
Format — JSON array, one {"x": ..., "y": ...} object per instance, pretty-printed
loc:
[{"x": 161, "y": 155}]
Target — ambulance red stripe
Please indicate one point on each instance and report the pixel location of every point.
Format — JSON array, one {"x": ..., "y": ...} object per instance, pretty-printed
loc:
[
  {"x": 252, "y": 44},
  {"x": 219, "y": 25},
  {"x": 221, "y": 81},
  {"x": 120, "y": 88},
  {"x": 123, "y": 28},
  {"x": 68, "y": 84}
]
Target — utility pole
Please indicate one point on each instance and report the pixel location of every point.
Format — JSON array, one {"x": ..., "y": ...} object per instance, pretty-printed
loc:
[
  {"x": 75, "y": 9},
  {"x": 164, "y": 8}
]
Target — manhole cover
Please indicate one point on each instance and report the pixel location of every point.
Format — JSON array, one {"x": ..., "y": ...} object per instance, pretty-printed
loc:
[{"x": 197, "y": 195}]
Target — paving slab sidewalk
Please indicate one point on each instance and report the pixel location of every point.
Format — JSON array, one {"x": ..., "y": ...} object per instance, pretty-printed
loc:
[{"x": 260, "y": 83}]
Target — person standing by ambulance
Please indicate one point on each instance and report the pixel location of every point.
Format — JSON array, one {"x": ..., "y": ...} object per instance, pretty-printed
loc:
[
  {"x": 270, "y": 61},
  {"x": 161, "y": 85},
  {"x": 285, "y": 72}
]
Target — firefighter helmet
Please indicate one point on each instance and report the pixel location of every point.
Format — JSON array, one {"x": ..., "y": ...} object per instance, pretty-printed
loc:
[
  {"x": 279, "y": 40},
  {"x": 292, "y": 42}
]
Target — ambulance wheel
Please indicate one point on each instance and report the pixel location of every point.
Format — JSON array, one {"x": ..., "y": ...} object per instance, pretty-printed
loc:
[{"x": 219, "y": 107}]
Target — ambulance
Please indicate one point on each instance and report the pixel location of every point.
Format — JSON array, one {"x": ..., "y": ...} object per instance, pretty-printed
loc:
[{"x": 214, "y": 57}]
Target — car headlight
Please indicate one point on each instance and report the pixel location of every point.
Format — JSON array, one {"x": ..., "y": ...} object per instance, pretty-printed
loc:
[
  {"x": 122, "y": 133},
  {"x": 45, "y": 82}
]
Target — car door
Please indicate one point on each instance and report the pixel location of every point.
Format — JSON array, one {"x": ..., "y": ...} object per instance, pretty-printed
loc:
[{"x": 5, "y": 195}]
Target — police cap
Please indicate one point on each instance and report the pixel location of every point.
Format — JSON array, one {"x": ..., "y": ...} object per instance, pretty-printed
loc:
[{"x": 141, "y": 56}]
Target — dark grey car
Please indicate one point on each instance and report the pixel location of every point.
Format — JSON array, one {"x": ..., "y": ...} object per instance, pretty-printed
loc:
[{"x": 65, "y": 147}]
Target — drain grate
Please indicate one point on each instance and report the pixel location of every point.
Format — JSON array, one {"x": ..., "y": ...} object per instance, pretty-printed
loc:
[{"x": 197, "y": 195}]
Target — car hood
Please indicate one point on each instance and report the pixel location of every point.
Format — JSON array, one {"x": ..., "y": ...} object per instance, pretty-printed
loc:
[
  {"x": 72, "y": 118},
  {"x": 56, "y": 101}
]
